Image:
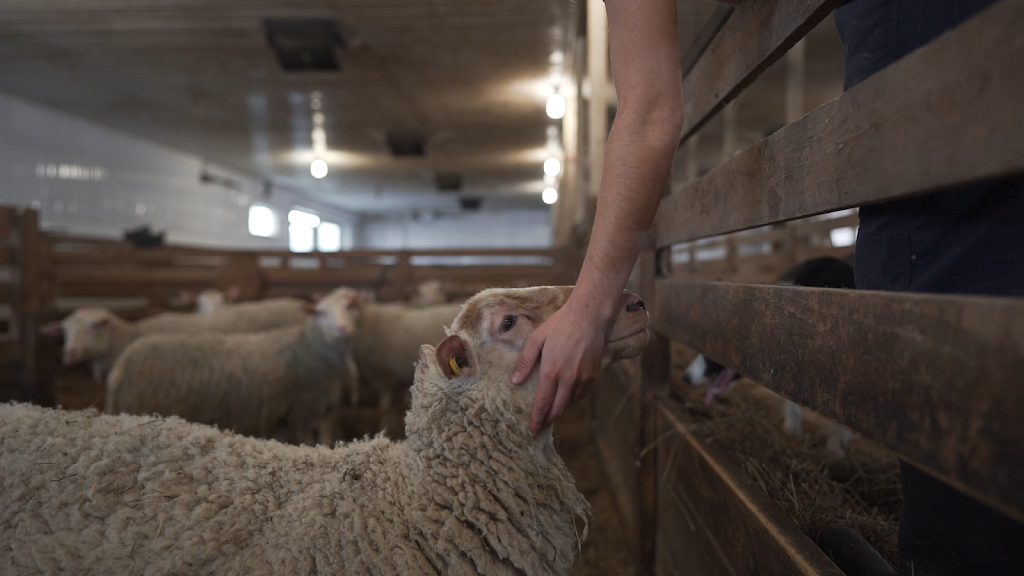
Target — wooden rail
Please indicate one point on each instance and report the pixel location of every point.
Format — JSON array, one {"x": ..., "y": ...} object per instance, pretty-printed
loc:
[
  {"x": 944, "y": 115},
  {"x": 932, "y": 378},
  {"x": 59, "y": 273}
]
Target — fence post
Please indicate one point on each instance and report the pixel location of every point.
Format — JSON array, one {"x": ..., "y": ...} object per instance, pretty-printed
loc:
[
  {"x": 655, "y": 371},
  {"x": 35, "y": 298}
]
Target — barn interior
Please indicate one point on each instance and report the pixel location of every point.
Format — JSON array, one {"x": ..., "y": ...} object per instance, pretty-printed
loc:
[{"x": 190, "y": 157}]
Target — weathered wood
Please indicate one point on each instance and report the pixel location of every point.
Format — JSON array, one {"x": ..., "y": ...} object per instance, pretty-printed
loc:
[
  {"x": 137, "y": 276},
  {"x": 6, "y": 254},
  {"x": 756, "y": 35},
  {"x": 715, "y": 521},
  {"x": 946, "y": 114},
  {"x": 933, "y": 378},
  {"x": 656, "y": 366}
]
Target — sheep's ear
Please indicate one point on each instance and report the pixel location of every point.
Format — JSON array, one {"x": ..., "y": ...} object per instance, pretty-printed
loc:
[
  {"x": 97, "y": 324},
  {"x": 456, "y": 358},
  {"x": 52, "y": 329},
  {"x": 232, "y": 293},
  {"x": 309, "y": 308}
]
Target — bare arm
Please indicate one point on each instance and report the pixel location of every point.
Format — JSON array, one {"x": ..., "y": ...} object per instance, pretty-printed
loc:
[{"x": 645, "y": 68}]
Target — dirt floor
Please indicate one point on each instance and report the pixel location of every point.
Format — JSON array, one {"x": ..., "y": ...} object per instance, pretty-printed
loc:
[{"x": 606, "y": 551}]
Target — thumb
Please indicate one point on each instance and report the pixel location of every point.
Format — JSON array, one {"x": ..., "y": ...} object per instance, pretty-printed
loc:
[{"x": 527, "y": 358}]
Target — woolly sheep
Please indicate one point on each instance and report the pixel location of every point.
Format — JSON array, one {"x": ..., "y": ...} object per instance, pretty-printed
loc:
[
  {"x": 249, "y": 383},
  {"x": 99, "y": 335},
  {"x": 387, "y": 342},
  {"x": 429, "y": 293},
  {"x": 211, "y": 299},
  {"x": 469, "y": 492}
]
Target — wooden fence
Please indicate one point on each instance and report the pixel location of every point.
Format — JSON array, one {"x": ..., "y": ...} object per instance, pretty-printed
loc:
[
  {"x": 44, "y": 277},
  {"x": 881, "y": 364}
]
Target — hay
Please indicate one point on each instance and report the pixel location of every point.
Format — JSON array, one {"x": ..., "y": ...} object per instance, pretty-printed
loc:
[{"x": 812, "y": 486}]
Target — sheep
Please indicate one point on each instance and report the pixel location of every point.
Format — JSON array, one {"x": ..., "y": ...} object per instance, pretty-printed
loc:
[
  {"x": 98, "y": 335},
  {"x": 429, "y": 293},
  {"x": 246, "y": 382},
  {"x": 470, "y": 491},
  {"x": 388, "y": 339},
  {"x": 211, "y": 299}
]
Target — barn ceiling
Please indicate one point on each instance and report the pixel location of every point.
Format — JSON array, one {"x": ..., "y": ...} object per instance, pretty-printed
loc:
[{"x": 470, "y": 76}]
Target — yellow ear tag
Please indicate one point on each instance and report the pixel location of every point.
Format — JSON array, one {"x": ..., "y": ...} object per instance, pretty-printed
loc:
[{"x": 454, "y": 366}]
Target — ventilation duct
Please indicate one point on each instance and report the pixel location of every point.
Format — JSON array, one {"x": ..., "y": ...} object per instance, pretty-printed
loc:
[
  {"x": 305, "y": 45},
  {"x": 448, "y": 181},
  {"x": 405, "y": 143}
]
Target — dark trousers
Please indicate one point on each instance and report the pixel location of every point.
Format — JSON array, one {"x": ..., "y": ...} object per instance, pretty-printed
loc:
[{"x": 963, "y": 240}]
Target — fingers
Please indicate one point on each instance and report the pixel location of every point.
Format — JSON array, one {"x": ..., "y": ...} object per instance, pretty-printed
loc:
[
  {"x": 563, "y": 397},
  {"x": 528, "y": 357},
  {"x": 543, "y": 401}
]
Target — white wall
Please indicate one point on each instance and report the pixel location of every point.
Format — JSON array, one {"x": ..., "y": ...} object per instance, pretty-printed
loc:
[
  {"x": 89, "y": 180},
  {"x": 505, "y": 229}
]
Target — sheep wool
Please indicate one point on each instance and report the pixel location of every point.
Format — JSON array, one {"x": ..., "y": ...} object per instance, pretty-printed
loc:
[
  {"x": 467, "y": 493},
  {"x": 249, "y": 383}
]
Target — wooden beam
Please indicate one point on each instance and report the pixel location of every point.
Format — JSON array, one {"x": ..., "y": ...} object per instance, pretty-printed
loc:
[
  {"x": 946, "y": 114},
  {"x": 933, "y": 378},
  {"x": 757, "y": 34},
  {"x": 715, "y": 520}
]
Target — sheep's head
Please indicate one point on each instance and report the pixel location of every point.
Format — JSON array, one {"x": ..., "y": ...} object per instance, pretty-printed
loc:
[
  {"x": 87, "y": 334},
  {"x": 209, "y": 300},
  {"x": 337, "y": 313},
  {"x": 479, "y": 355}
]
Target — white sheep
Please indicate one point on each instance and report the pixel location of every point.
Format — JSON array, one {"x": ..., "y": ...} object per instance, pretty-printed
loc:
[
  {"x": 387, "y": 342},
  {"x": 211, "y": 299},
  {"x": 251, "y": 383},
  {"x": 99, "y": 335},
  {"x": 429, "y": 293},
  {"x": 469, "y": 492}
]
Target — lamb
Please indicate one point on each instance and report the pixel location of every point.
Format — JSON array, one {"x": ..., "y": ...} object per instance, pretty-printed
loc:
[
  {"x": 429, "y": 293},
  {"x": 97, "y": 334},
  {"x": 249, "y": 383},
  {"x": 469, "y": 492}
]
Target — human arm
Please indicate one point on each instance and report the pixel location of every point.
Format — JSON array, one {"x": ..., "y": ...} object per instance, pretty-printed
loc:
[{"x": 645, "y": 67}]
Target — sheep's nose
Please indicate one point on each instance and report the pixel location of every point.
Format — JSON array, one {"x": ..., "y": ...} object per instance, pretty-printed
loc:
[{"x": 637, "y": 304}]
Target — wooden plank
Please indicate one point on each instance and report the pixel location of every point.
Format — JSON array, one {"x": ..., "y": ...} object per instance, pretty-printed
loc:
[
  {"x": 335, "y": 276},
  {"x": 136, "y": 276},
  {"x": 756, "y": 35},
  {"x": 710, "y": 509},
  {"x": 946, "y": 114},
  {"x": 933, "y": 378},
  {"x": 6, "y": 254}
]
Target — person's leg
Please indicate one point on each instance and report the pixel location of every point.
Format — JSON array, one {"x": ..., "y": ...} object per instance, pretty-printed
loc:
[{"x": 967, "y": 240}]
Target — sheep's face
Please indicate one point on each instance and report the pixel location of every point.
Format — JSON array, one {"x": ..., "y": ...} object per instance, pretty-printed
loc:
[
  {"x": 337, "y": 313},
  {"x": 87, "y": 333},
  {"x": 488, "y": 335},
  {"x": 209, "y": 300}
]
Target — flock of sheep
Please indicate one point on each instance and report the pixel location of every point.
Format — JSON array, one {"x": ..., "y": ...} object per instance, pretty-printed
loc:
[{"x": 469, "y": 491}]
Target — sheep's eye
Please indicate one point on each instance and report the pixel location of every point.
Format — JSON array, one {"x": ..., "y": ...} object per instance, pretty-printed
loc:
[{"x": 508, "y": 323}]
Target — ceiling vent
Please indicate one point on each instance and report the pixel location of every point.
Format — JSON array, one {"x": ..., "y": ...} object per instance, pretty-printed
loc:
[
  {"x": 448, "y": 181},
  {"x": 405, "y": 143},
  {"x": 470, "y": 203},
  {"x": 305, "y": 44}
]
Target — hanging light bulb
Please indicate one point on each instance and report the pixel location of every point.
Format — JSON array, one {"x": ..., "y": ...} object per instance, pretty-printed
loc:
[
  {"x": 556, "y": 106},
  {"x": 552, "y": 166},
  {"x": 549, "y": 196},
  {"x": 318, "y": 168}
]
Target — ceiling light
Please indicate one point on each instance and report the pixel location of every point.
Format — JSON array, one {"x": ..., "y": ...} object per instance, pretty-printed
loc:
[
  {"x": 549, "y": 196},
  {"x": 556, "y": 106},
  {"x": 318, "y": 168},
  {"x": 552, "y": 166},
  {"x": 318, "y": 118}
]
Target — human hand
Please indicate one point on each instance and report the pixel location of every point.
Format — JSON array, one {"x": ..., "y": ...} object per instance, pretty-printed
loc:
[{"x": 568, "y": 346}]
